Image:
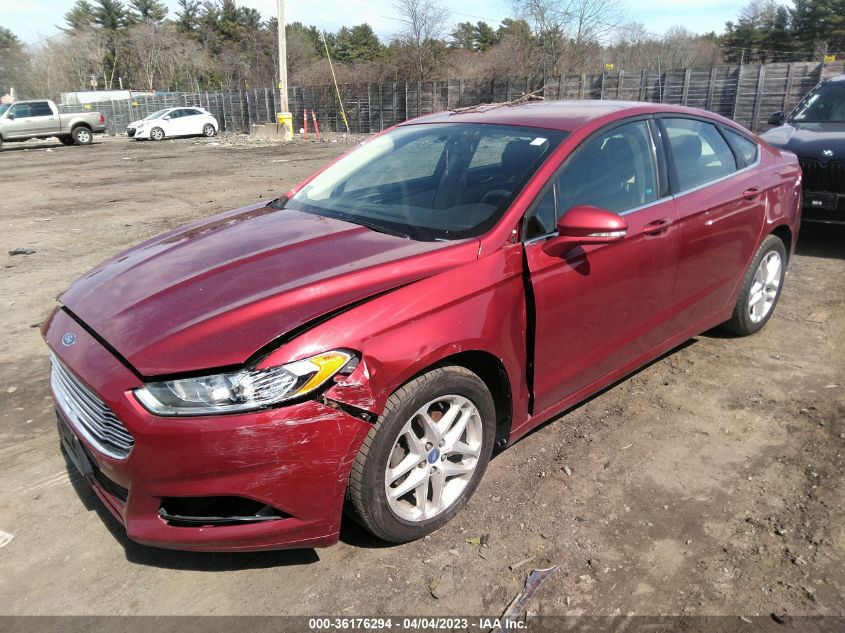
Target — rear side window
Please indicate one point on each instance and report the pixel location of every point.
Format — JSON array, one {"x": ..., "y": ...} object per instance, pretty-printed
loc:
[
  {"x": 745, "y": 146},
  {"x": 40, "y": 108},
  {"x": 700, "y": 153}
]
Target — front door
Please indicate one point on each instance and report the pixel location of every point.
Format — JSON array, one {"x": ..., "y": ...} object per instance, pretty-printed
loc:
[
  {"x": 18, "y": 123},
  {"x": 599, "y": 307}
]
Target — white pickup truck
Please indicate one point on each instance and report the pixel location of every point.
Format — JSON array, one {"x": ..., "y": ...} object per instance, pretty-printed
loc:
[{"x": 24, "y": 120}]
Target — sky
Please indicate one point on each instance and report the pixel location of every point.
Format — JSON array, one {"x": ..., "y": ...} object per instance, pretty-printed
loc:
[{"x": 34, "y": 20}]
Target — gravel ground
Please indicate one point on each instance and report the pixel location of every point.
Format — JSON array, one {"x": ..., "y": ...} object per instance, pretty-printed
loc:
[{"x": 709, "y": 482}]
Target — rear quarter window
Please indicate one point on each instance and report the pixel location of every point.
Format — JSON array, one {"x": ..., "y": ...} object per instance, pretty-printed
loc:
[
  {"x": 40, "y": 108},
  {"x": 746, "y": 148}
]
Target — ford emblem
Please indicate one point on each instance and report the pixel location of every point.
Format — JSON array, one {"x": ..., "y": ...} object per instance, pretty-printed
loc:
[{"x": 69, "y": 339}]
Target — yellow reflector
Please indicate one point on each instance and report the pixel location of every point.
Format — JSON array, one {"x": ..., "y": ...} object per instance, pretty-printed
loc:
[{"x": 329, "y": 364}]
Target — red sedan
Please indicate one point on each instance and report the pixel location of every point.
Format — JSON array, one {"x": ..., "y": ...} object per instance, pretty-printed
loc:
[{"x": 368, "y": 339}]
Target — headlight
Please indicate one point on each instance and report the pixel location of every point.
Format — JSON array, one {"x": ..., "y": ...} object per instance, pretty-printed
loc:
[
  {"x": 244, "y": 390},
  {"x": 139, "y": 126}
]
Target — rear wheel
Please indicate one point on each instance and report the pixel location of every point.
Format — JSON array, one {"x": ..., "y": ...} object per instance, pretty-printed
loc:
[
  {"x": 208, "y": 130},
  {"x": 425, "y": 456},
  {"x": 761, "y": 288},
  {"x": 82, "y": 135},
  {"x": 156, "y": 134}
]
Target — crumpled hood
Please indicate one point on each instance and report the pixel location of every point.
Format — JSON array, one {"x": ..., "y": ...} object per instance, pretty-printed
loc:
[
  {"x": 213, "y": 293},
  {"x": 810, "y": 140}
]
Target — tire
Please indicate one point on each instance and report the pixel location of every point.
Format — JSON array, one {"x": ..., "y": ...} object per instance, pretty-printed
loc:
[
  {"x": 401, "y": 440},
  {"x": 67, "y": 140},
  {"x": 1, "y": 143},
  {"x": 156, "y": 134},
  {"x": 81, "y": 135},
  {"x": 208, "y": 130},
  {"x": 761, "y": 288}
]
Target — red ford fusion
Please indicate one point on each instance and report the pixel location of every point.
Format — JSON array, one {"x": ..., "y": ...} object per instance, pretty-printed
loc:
[{"x": 365, "y": 341}]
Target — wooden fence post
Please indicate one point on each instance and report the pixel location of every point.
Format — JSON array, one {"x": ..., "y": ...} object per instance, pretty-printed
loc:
[
  {"x": 790, "y": 79},
  {"x": 710, "y": 89},
  {"x": 685, "y": 90},
  {"x": 758, "y": 100}
]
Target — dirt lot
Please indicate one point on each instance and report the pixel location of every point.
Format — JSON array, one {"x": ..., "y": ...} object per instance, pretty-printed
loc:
[{"x": 711, "y": 482}]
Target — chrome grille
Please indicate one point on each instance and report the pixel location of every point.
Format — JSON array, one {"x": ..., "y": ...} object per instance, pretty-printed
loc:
[
  {"x": 89, "y": 415},
  {"x": 823, "y": 177}
]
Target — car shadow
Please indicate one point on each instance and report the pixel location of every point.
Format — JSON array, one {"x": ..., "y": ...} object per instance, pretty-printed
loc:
[
  {"x": 613, "y": 385},
  {"x": 21, "y": 147},
  {"x": 822, "y": 240},
  {"x": 182, "y": 560}
]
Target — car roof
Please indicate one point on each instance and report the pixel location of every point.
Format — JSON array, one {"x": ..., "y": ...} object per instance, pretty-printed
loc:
[{"x": 556, "y": 115}]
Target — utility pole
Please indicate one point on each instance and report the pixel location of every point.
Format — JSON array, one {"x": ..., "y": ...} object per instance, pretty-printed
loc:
[{"x": 284, "y": 117}]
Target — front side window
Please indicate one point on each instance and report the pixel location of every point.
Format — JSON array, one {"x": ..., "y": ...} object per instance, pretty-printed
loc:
[
  {"x": 20, "y": 110},
  {"x": 825, "y": 104},
  {"x": 700, "y": 153},
  {"x": 428, "y": 181},
  {"x": 616, "y": 171}
]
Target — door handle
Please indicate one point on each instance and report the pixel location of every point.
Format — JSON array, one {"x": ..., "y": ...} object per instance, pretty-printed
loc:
[
  {"x": 657, "y": 227},
  {"x": 750, "y": 194}
]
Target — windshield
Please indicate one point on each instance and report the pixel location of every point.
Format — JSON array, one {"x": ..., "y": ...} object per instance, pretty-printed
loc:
[
  {"x": 4, "y": 107},
  {"x": 825, "y": 104},
  {"x": 440, "y": 181},
  {"x": 156, "y": 115}
]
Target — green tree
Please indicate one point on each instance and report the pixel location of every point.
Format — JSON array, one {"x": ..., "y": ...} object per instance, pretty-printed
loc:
[
  {"x": 463, "y": 36},
  {"x": 485, "y": 37},
  {"x": 358, "y": 44},
  {"x": 14, "y": 62},
  {"x": 147, "y": 10},
  {"x": 819, "y": 25},
  {"x": 80, "y": 16},
  {"x": 187, "y": 19}
]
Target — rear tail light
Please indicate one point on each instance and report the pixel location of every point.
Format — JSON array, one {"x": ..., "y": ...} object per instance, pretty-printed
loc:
[{"x": 102, "y": 118}]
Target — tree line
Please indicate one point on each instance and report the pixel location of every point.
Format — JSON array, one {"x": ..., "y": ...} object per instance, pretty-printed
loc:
[{"x": 211, "y": 44}]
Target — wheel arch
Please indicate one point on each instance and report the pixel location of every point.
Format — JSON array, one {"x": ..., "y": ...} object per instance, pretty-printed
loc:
[
  {"x": 493, "y": 374},
  {"x": 77, "y": 124},
  {"x": 784, "y": 233}
]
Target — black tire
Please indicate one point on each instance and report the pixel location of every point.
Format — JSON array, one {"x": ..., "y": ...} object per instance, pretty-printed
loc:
[
  {"x": 67, "y": 140},
  {"x": 742, "y": 323},
  {"x": 208, "y": 130},
  {"x": 366, "y": 495},
  {"x": 81, "y": 135},
  {"x": 156, "y": 134},
  {"x": 1, "y": 143}
]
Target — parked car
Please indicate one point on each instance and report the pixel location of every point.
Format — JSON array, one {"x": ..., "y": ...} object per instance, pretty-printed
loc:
[
  {"x": 815, "y": 131},
  {"x": 367, "y": 339},
  {"x": 23, "y": 120},
  {"x": 174, "y": 122}
]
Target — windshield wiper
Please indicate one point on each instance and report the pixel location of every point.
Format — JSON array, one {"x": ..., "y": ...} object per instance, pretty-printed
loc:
[{"x": 378, "y": 228}]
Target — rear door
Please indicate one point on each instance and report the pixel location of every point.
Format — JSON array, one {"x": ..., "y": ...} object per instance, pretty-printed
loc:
[
  {"x": 44, "y": 120},
  {"x": 600, "y": 307},
  {"x": 721, "y": 209}
]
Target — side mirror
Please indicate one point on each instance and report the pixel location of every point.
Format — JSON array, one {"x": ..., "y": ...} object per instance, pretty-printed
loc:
[
  {"x": 777, "y": 118},
  {"x": 11, "y": 115},
  {"x": 589, "y": 225}
]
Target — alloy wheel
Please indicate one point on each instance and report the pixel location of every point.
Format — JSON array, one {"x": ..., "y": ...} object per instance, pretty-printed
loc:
[
  {"x": 765, "y": 287},
  {"x": 433, "y": 458}
]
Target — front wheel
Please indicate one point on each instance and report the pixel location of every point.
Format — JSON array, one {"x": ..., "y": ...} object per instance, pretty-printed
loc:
[
  {"x": 156, "y": 134},
  {"x": 761, "y": 288},
  {"x": 425, "y": 456},
  {"x": 208, "y": 130},
  {"x": 82, "y": 135}
]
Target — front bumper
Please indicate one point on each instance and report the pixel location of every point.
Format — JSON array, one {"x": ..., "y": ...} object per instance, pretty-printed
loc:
[
  {"x": 295, "y": 459},
  {"x": 823, "y": 207}
]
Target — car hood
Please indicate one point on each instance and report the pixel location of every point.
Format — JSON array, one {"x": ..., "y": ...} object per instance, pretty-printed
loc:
[
  {"x": 213, "y": 293},
  {"x": 817, "y": 141}
]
